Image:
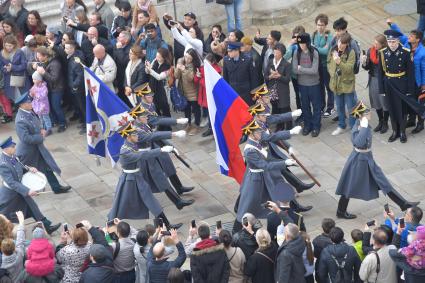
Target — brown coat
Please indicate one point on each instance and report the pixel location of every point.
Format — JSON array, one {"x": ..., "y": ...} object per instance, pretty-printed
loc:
[{"x": 186, "y": 82}]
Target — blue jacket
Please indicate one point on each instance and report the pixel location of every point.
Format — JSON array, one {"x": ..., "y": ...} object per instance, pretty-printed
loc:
[
  {"x": 404, "y": 233},
  {"x": 418, "y": 57},
  {"x": 158, "y": 269}
]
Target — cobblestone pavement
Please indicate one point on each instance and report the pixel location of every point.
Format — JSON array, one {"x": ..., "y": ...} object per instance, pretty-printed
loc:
[{"x": 215, "y": 194}]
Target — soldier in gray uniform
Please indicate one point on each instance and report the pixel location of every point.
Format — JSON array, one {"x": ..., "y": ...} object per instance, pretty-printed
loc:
[
  {"x": 263, "y": 180},
  {"x": 133, "y": 196},
  {"x": 31, "y": 150},
  {"x": 155, "y": 121},
  {"x": 361, "y": 177},
  {"x": 14, "y": 196},
  {"x": 154, "y": 173}
]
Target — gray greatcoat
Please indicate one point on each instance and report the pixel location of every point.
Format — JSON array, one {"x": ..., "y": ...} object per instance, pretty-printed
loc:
[
  {"x": 263, "y": 185},
  {"x": 13, "y": 195},
  {"x": 155, "y": 170},
  {"x": 133, "y": 196},
  {"x": 31, "y": 150},
  {"x": 361, "y": 177}
]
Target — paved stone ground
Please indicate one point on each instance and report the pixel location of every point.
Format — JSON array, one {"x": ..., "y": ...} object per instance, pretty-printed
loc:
[{"x": 215, "y": 194}]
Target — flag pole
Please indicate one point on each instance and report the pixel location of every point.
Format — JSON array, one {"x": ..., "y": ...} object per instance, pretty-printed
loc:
[{"x": 175, "y": 9}]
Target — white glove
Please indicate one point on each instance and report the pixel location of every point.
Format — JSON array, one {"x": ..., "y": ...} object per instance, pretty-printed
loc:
[
  {"x": 182, "y": 121},
  {"x": 167, "y": 148},
  {"x": 364, "y": 122},
  {"x": 295, "y": 130},
  {"x": 180, "y": 134},
  {"x": 176, "y": 151},
  {"x": 296, "y": 113},
  {"x": 291, "y": 150},
  {"x": 290, "y": 162}
]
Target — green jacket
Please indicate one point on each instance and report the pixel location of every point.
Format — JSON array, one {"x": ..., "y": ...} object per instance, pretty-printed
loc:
[
  {"x": 358, "y": 246},
  {"x": 345, "y": 81}
]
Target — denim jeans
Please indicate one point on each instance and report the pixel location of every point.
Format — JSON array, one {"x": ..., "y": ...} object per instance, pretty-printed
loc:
[
  {"x": 311, "y": 97},
  {"x": 45, "y": 119},
  {"x": 421, "y": 23},
  {"x": 324, "y": 86},
  {"x": 57, "y": 111},
  {"x": 234, "y": 15},
  {"x": 342, "y": 100}
]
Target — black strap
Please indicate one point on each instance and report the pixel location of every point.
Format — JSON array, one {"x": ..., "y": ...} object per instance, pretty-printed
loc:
[
  {"x": 266, "y": 256},
  {"x": 236, "y": 249},
  {"x": 378, "y": 264},
  {"x": 117, "y": 250}
]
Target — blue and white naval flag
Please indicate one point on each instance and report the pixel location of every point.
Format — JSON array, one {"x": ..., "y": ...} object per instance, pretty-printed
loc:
[{"x": 105, "y": 113}]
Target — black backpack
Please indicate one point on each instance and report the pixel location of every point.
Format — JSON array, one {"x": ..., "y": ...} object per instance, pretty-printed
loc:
[{"x": 341, "y": 275}]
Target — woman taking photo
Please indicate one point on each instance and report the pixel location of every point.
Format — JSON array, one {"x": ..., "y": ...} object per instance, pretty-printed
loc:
[
  {"x": 135, "y": 74},
  {"x": 72, "y": 253},
  {"x": 378, "y": 101},
  {"x": 277, "y": 77},
  {"x": 158, "y": 71},
  {"x": 34, "y": 24},
  {"x": 13, "y": 64},
  {"x": 216, "y": 34},
  {"x": 184, "y": 72}
]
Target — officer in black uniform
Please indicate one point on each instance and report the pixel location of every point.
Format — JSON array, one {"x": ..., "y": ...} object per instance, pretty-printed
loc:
[
  {"x": 239, "y": 72},
  {"x": 396, "y": 78}
]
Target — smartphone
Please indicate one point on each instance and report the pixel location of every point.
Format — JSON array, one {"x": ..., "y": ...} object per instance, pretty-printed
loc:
[
  {"x": 79, "y": 225},
  {"x": 65, "y": 227},
  {"x": 110, "y": 223},
  {"x": 218, "y": 224},
  {"x": 245, "y": 221},
  {"x": 172, "y": 22},
  {"x": 65, "y": 19},
  {"x": 402, "y": 223},
  {"x": 193, "y": 223},
  {"x": 370, "y": 223},
  {"x": 113, "y": 236},
  {"x": 157, "y": 222},
  {"x": 166, "y": 233},
  {"x": 265, "y": 205},
  {"x": 386, "y": 207},
  {"x": 363, "y": 52}
]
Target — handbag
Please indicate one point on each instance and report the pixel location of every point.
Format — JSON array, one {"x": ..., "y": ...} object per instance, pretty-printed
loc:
[
  {"x": 224, "y": 2},
  {"x": 17, "y": 81},
  {"x": 178, "y": 100}
]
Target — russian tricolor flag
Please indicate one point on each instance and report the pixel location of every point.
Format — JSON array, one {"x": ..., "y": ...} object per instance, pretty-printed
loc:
[{"x": 228, "y": 114}]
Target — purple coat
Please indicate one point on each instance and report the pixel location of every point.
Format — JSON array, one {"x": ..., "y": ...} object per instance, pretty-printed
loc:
[
  {"x": 40, "y": 103},
  {"x": 19, "y": 66}
]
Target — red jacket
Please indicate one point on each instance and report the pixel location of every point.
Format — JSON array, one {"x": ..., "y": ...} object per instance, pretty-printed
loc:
[
  {"x": 200, "y": 81},
  {"x": 40, "y": 258}
]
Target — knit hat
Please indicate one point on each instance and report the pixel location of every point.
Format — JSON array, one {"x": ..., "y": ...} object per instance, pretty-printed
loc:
[
  {"x": 38, "y": 233},
  {"x": 246, "y": 40},
  {"x": 420, "y": 233},
  {"x": 98, "y": 252},
  {"x": 36, "y": 76}
]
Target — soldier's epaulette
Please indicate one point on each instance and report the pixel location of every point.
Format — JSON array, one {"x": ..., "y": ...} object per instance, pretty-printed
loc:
[{"x": 127, "y": 149}]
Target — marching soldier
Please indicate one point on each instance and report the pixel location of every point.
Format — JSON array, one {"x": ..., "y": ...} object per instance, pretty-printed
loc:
[
  {"x": 133, "y": 196},
  {"x": 397, "y": 79},
  {"x": 14, "y": 196},
  {"x": 156, "y": 121},
  {"x": 361, "y": 177},
  {"x": 263, "y": 180},
  {"x": 239, "y": 72},
  {"x": 31, "y": 150},
  {"x": 270, "y": 141},
  {"x": 156, "y": 175}
]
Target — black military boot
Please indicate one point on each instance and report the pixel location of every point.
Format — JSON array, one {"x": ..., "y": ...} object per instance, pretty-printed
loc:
[
  {"x": 178, "y": 202},
  {"x": 381, "y": 120},
  {"x": 49, "y": 227},
  {"x": 299, "y": 185},
  {"x": 403, "y": 137},
  {"x": 419, "y": 126},
  {"x": 401, "y": 201},
  {"x": 167, "y": 223},
  {"x": 297, "y": 207},
  {"x": 342, "y": 209},
  {"x": 384, "y": 128},
  {"x": 177, "y": 184},
  {"x": 395, "y": 135},
  {"x": 411, "y": 121}
]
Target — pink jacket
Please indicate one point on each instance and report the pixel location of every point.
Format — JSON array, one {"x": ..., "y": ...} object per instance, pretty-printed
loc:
[
  {"x": 40, "y": 104},
  {"x": 40, "y": 258}
]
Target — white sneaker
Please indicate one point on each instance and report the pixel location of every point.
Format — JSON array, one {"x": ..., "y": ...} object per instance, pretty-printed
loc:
[
  {"x": 338, "y": 131},
  {"x": 204, "y": 122}
]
